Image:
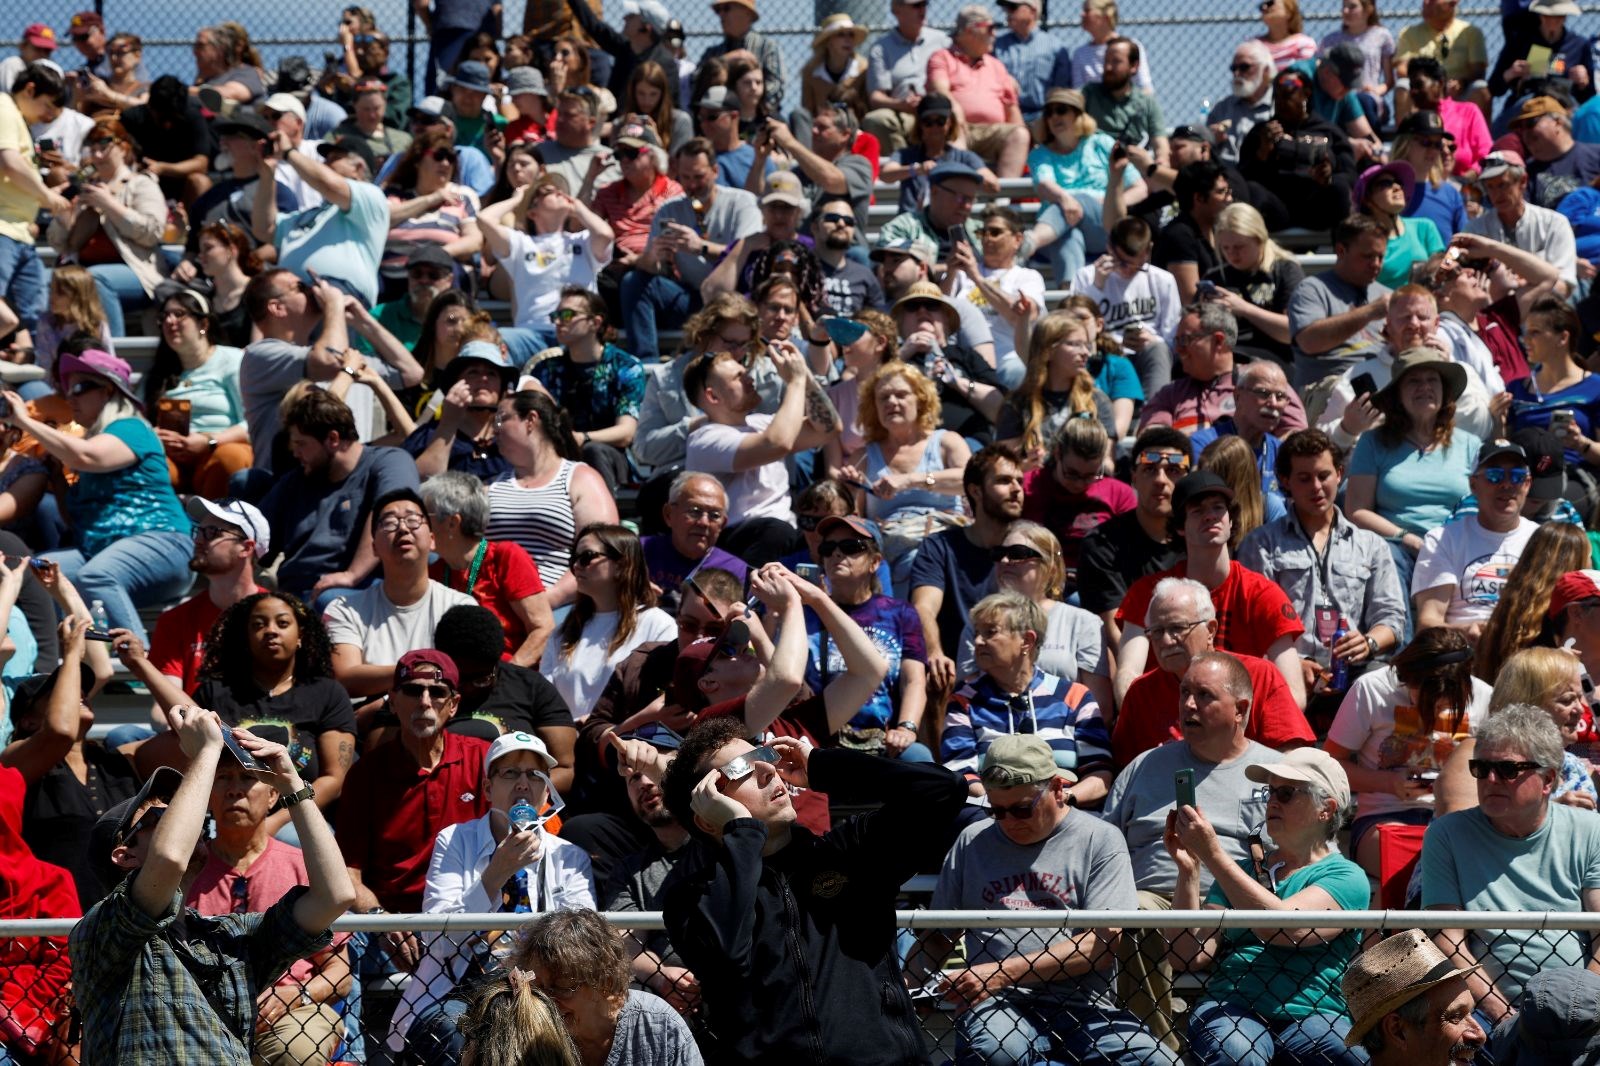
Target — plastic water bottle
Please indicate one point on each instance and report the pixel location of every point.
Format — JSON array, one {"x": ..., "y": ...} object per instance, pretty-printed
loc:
[
  {"x": 1205, "y": 112},
  {"x": 1341, "y": 671},
  {"x": 523, "y": 816},
  {"x": 98, "y": 617}
]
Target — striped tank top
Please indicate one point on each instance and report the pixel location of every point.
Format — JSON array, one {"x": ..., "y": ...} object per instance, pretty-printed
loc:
[{"x": 540, "y": 519}]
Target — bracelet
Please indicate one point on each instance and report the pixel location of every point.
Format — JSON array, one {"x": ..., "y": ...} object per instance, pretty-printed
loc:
[{"x": 905, "y": 725}]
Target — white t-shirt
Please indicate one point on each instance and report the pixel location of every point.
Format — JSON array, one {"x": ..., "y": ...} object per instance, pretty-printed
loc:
[
  {"x": 383, "y": 631},
  {"x": 68, "y": 129},
  {"x": 581, "y": 677},
  {"x": 1472, "y": 560},
  {"x": 1149, "y": 300},
  {"x": 1011, "y": 281},
  {"x": 1378, "y": 723},
  {"x": 540, "y": 265},
  {"x": 759, "y": 492}
]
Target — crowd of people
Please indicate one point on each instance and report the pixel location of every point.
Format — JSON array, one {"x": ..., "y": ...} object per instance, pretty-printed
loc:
[{"x": 553, "y": 494}]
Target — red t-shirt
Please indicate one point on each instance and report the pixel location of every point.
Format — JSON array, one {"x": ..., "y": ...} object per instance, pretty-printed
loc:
[
  {"x": 1071, "y": 518},
  {"x": 391, "y": 809},
  {"x": 508, "y": 574},
  {"x": 806, "y": 718},
  {"x": 1149, "y": 715},
  {"x": 631, "y": 222},
  {"x": 178, "y": 645},
  {"x": 1252, "y": 612}
]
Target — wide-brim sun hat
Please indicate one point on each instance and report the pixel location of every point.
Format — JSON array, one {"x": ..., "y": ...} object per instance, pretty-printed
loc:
[
  {"x": 834, "y": 25},
  {"x": 102, "y": 365},
  {"x": 1390, "y": 974},
  {"x": 1452, "y": 374},
  {"x": 928, "y": 292},
  {"x": 1400, "y": 170}
]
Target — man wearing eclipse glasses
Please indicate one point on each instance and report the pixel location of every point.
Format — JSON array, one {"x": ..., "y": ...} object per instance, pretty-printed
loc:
[{"x": 761, "y": 906}]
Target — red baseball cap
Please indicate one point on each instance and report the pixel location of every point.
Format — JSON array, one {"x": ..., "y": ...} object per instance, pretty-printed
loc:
[
  {"x": 412, "y": 667},
  {"x": 40, "y": 36},
  {"x": 1574, "y": 587}
]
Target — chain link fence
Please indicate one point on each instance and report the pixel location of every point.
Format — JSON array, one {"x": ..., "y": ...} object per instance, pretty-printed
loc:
[
  {"x": 1187, "y": 51},
  {"x": 1173, "y": 987}
]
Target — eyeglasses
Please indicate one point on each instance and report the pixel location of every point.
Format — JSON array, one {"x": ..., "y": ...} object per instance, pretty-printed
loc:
[
  {"x": 1150, "y": 460},
  {"x": 1174, "y": 632},
  {"x": 176, "y": 312},
  {"x": 1495, "y": 475},
  {"x": 418, "y": 689},
  {"x": 958, "y": 197},
  {"x": 393, "y": 524},
  {"x": 210, "y": 533},
  {"x": 833, "y": 218},
  {"x": 848, "y": 545},
  {"x": 511, "y": 775},
  {"x": 696, "y": 513},
  {"x": 566, "y": 314},
  {"x": 742, "y": 766},
  {"x": 1014, "y": 553},
  {"x": 733, "y": 342},
  {"x": 100, "y": 144},
  {"x": 628, "y": 153},
  {"x": 1185, "y": 339},
  {"x": 584, "y": 560},
  {"x": 1266, "y": 395},
  {"x": 1281, "y": 793},
  {"x": 78, "y": 388},
  {"x": 712, "y": 116},
  {"x": 996, "y": 231},
  {"x": 1020, "y": 811},
  {"x": 1504, "y": 769},
  {"x": 1066, "y": 473},
  {"x": 1057, "y": 110},
  {"x": 241, "y": 894}
]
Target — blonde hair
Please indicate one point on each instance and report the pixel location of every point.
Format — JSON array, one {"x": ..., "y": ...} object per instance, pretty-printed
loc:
[
  {"x": 1232, "y": 459},
  {"x": 1045, "y": 542},
  {"x": 1085, "y": 126},
  {"x": 722, "y": 308},
  {"x": 1533, "y": 676},
  {"x": 511, "y": 1023},
  {"x": 84, "y": 309},
  {"x": 1029, "y": 397},
  {"x": 1436, "y": 175},
  {"x": 1013, "y": 610},
  {"x": 1242, "y": 220},
  {"x": 929, "y": 410}
]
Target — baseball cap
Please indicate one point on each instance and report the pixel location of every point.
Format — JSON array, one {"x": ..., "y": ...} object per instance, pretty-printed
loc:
[
  {"x": 356, "y": 146},
  {"x": 285, "y": 104},
  {"x": 40, "y": 36},
  {"x": 31, "y": 689},
  {"x": 427, "y": 253},
  {"x": 428, "y": 107},
  {"x": 1497, "y": 163},
  {"x": 934, "y": 104},
  {"x": 112, "y": 828},
  {"x": 846, "y": 524},
  {"x": 525, "y": 80},
  {"x": 1420, "y": 123},
  {"x": 783, "y": 187},
  {"x": 1500, "y": 448},
  {"x": 694, "y": 662},
  {"x": 1547, "y": 462},
  {"x": 918, "y": 248},
  {"x": 1020, "y": 759},
  {"x": 1574, "y": 587},
  {"x": 1347, "y": 61},
  {"x": 506, "y": 743},
  {"x": 84, "y": 20},
  {"x": 638, "y": 135},
  {"x": 1198, "y": 484},
  {"x": 1310, "y": 765},
  {"x": 1537, "y": 107},
  {"x": 413, "y": 666},
  {"x": 243, "y": 516},
  {"x": 246, "y": 122},
  {"x": 1188, "y": 133},
  {"x": 949, "y": 170},
  {"x": 718, "y": 98},
  {"x": 1073, "y": 98}
]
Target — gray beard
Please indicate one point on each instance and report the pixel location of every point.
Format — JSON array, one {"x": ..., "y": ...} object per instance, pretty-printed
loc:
[{"x": 1243, "y": 90}]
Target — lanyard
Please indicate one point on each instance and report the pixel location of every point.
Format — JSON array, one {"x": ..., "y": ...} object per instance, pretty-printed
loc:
[{"x": 477, "y": 561}]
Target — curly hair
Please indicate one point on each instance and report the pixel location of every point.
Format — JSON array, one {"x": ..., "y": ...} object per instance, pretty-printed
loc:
[
  {"x": 806, "y": 271},
  {"x": 929, "y": 411},
  {"x": 228, "y": 657},
  {"x": 634, "y": 593},
  {"x": 684, "y": 772},
  {"x": 1028, "y": 400},
  {"x": 721, "y": 309},
  {"x": 885, "y": 334},
  {"x": 1554, "y": 549},
  {"x": 575, "y": 947}
]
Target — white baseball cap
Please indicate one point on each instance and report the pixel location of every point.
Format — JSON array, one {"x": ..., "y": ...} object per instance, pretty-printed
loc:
[
  {"x": 245, "y": 517},
  {"x": 506, "y": 743},
  {"x": 285, "y": 104}
]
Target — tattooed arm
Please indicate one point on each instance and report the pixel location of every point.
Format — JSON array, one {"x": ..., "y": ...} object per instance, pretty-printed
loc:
[{"x": 336, "y": 753}]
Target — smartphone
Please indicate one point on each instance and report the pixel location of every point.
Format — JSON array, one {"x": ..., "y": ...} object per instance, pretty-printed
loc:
[
  {"x": 1206, "y": 289},
  {"x": 1183, "y": 787},
  {"x": 248, "y": 761},
  {"x": 98, "y": 634},
  {"x": 38, "y": 563},
  {"x": 1364, "y": 385},
  {"x": 1560, "y": 420},
  {"x": 47, "y": 144},
  {"x": 810, "y": 571},
  {"x": 958, "y": 235}
]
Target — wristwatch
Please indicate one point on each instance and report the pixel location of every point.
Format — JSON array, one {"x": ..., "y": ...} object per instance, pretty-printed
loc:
[
  {"x": 211, "y": 442},
  {"x": 705, "y": 249},
  {"x": 905, "y": 725},
  {"x": 352, "y": 371},
  {"x": 1372, "y": 647},
  {"x": 305, "y": 792},
  {"x": 928, "y": 481}
]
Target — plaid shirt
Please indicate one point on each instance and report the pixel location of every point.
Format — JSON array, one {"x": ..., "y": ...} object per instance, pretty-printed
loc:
[{"x": 179, "y": 989}]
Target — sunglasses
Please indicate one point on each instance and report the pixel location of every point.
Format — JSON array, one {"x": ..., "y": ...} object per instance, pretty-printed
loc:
[
  {"x": 80, "y": 38},
  {"x": 628, "y": 153},
  {"x": 210, "y": 533},
  {"x": 1020, "y": 811},
  {"x": 934, "y": 120},
  {"x": 566, "y": 314},
  {"x": 1495, "y": 475},
  {"x": 443, "y": 155},
  {"x": 1504, "y": 769},
  {"x": 1057, "y": 110},
  {"x": 417, "y": 689},
  {"x": 241, "y": 894},
  {"x": 849, "y": 545},
  {"x": 1014, "y": 553},
  {"x": 584, "y": 560},
  {"x": 833, "y": 218},
  {"x": 80, "y": 387},
  {"x": 1150, "y": 460},
  {"x": 147, "y": 820},
  {"x": 1241, "y": 68},
  {"x": 1281, "y": 793},
  {"x": 1387, "y": 181},
  {"x": 742, "y": 766}
]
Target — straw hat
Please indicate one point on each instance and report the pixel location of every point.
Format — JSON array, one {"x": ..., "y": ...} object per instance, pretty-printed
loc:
[
  {"x": 928, "y": 292},
  {"x": 838, "y": 22},
  {"x": 1391, "y": 974}
]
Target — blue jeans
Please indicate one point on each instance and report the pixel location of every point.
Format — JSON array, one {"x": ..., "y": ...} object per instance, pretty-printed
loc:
[
  {"x": 1222, "y": 1034},
  {"x": 649, "y": 300},
  {"x": 22, "y": 283},
  {"x": 1405, "y": 564},
  {"x": 120, "y": 292},
  {"x": 525, "y": 342},
  {"x": 1022, "y": 1029},
  {"x": 134, "y": 572},
  {"x": 127, "y": 734},
  {"x": 1076, "y": 244},
  {"x": 1013, "y": 366}
]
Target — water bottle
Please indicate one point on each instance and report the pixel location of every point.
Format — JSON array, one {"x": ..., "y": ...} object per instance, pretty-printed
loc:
[
  {"x": 98, "y": 617},
  {"x": 523, "y": 816},
  {"x": 1341, "y": 670},
  {"x": 1205, "y": 112}
]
